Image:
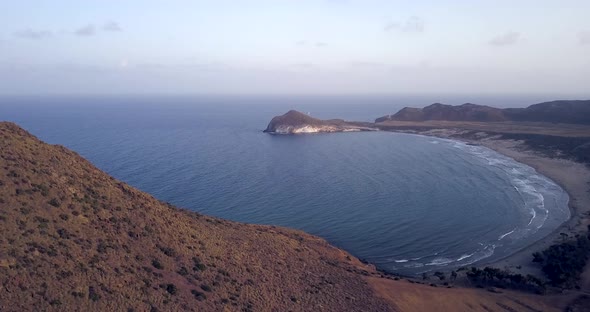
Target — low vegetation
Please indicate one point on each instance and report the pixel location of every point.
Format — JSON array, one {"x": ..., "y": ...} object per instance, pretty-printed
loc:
[
  {"x": 563, "y": 263},
  {"x": 73, "y": 238},
  {"x": 493, "y": 277}
]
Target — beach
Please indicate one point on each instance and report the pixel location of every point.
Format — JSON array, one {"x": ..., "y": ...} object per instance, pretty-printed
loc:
[{"x": 573, "y": 177}]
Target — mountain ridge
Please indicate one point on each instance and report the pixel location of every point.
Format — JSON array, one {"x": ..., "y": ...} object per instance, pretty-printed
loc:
[{"x": 559, "y": 111}]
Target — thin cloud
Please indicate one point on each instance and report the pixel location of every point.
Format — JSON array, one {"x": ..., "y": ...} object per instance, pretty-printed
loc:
[
  {"x": 584, "y": 37},
  {"x": 413, "y": 24},
  {"x": 86, "y": 31},
  {"x": 33, "y": 34},
  {"x": 506, "y": 39},
  {"x": 111, "y": 26},
  {"x": 304, "y": 66},
  {"x": 318, "y": 44}
]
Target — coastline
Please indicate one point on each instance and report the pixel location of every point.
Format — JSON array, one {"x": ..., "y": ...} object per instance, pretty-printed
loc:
[{"x": 573, "y": 177}]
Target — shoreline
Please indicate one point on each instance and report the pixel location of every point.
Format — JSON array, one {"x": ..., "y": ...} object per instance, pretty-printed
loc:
[{"x": 573, "y": 177}]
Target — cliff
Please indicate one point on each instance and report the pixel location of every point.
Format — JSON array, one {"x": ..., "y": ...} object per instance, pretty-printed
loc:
[
  {"x": 294, "y": 122},
  {"x": 73, "y": 238}
]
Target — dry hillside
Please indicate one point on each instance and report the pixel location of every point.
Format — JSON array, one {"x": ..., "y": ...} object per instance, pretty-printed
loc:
[{"x": 74, "y": 238}]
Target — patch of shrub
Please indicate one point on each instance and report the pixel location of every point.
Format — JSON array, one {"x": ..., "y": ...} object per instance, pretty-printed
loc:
[
  {"x": 206, "y": 288},
  {"x": 102, "y": 247},
  {"x": 77, "y": 294},
  {"x": 55, "y": 302},
  {"x": 13, "y": 174},
  {"x": 54, "y": 202},
  {"x": 92, "y": 294},
  {"x": 156, "y": 264},
  {"x": 198, "y": 265},
  {"x": 167, "y": 251},
  {"x": 171, "y": 289},
  {"x": 563, "y": 263},
  {"x": 505, "y": 279},
  {"x": 198, "y": 295},
  {"x": 183, "y": 271}
]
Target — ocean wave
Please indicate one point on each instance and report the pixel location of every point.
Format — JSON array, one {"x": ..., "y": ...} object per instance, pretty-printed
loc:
[
  {"x": 540, "y": 204},
  {"x": 526, "y": 181},
  {"x": 506, "y": 234},
  {"x": 441, "y": 261},
  {"x": 465, "y": 256}
]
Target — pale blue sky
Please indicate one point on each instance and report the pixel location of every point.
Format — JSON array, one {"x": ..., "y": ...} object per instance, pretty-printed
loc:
[{"x": 294, "y": 46}]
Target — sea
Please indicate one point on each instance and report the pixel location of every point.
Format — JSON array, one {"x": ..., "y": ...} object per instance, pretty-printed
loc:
[{"x": 409, "y": 204}]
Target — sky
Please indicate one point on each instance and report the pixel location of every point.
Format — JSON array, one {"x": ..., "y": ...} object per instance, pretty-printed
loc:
[{"x": 294, "y": 47}]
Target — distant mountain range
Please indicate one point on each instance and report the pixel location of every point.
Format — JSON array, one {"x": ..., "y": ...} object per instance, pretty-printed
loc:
[{"x": 572, "y": 112}]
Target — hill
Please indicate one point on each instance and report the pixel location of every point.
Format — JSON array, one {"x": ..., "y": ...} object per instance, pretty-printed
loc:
[
  {"x": 296, "y": 122},
  {"x": 74, "y": 238},
  {"x": 570, "y": 112},
  {"x": 437, "y": 111}
]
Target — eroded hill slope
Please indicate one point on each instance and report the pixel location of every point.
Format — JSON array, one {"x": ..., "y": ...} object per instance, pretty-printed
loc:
[{"x": 74, "y": 238}]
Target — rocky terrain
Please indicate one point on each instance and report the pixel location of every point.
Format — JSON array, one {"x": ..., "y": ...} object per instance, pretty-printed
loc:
[{"x": 294, "y": 122}]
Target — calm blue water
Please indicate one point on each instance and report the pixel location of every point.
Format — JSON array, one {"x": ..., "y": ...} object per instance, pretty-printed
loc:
[{"x": 407, "y": 203}]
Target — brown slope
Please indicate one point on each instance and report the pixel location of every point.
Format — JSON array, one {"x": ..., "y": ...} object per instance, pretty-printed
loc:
[{"x": 74, "y": 238}]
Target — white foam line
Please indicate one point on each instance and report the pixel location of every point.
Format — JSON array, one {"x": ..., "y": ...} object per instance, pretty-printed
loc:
[
  {"x": 506, "y": 234},
  {"x": 524, "y": 179}
]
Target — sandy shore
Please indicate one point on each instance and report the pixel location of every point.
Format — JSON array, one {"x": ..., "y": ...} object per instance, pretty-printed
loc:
[{"x": 572, "y": 176}]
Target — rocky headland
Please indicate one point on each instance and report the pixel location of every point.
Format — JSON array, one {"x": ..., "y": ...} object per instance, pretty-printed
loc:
[{"x": 294, "y": 122}]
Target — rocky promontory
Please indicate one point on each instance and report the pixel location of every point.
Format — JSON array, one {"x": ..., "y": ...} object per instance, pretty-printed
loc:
[{"x": 294, "y": 122}]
